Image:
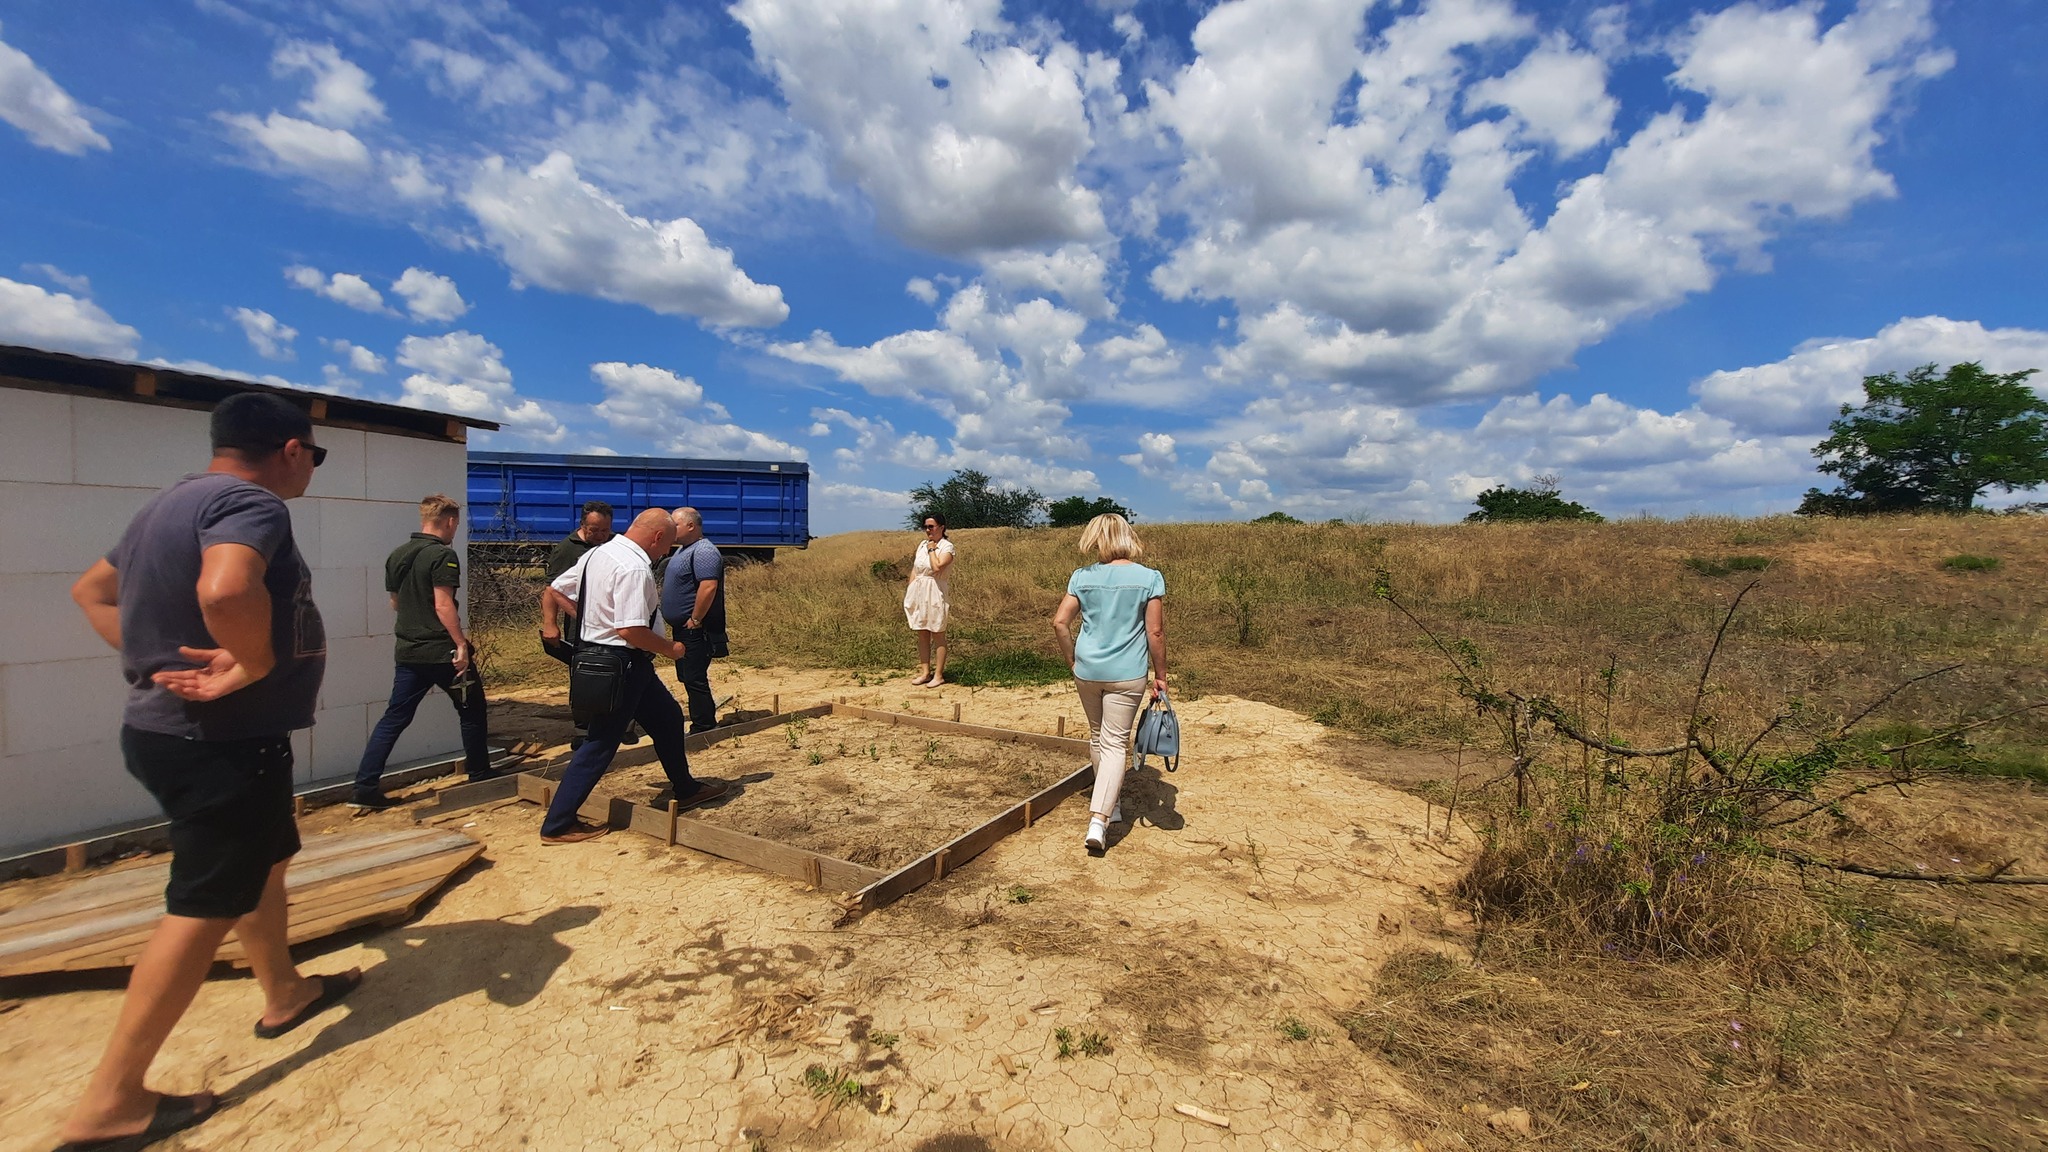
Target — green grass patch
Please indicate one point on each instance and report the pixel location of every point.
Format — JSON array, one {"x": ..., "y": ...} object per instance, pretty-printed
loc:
[
  {"x": 1965, "y": 562},
  {"x": 1007, "y": 668},
  {"x": 1722, "y": 566}
]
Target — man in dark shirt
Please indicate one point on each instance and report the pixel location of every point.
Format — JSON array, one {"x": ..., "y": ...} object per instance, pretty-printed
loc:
[
  {"x": 693, "y": 601},
  {"x": 210, "y": 605},
  {"x": 422, "y": 575},
  {"x": 595, "y": 529}
]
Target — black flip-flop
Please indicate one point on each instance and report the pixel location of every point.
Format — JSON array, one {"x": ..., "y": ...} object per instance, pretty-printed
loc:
[
  {"x": 333, "y": 989},
  {"x": 173, "y": 1114}
]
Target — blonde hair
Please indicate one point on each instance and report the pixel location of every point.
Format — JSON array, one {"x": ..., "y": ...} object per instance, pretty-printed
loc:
[
  {"x": 1109, "y": 536},
  {"x": 438, "y": 507}
]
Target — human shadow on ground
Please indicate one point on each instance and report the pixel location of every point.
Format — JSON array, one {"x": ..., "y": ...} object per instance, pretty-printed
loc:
[
  {"x": 1147, "y": 798},
  {"x": 426, "y": 966}
]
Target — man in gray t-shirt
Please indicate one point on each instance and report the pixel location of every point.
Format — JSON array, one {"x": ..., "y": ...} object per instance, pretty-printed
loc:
[{"x": 210, "y": 605}]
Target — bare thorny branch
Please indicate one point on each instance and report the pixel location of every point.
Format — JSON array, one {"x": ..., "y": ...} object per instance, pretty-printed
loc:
[{"x": 1512, "y": 711}]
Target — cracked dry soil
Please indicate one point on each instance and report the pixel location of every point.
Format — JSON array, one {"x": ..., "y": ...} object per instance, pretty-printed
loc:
[{"x": 624, "y": 995}]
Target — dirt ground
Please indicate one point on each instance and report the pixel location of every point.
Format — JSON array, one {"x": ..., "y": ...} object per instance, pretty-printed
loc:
[
  {"x": 624, "y": 995},
  {"x": 859, "y": 790}
]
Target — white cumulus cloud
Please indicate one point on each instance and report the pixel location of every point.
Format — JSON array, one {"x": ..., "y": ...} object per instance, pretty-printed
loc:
[
  {"x": 340, "y": 97},
  {"x": 345, "y": 288},
  {"x": 645, "y": 401},
  {"x": 966, "y": 132},
  {"x": 464, "y": 373},
  {"x": 429, "y": 295},
  {"x": 302, "y": 146},
  {"x": 34, "y": 103},
  {"x": 61, "y": 322},
  {"x": 555, "y": 230},
  {"x": 270, "y": 337}
]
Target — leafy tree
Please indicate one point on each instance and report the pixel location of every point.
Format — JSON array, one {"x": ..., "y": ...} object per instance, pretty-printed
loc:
[
  {"x": 1932, "y": 443},
  {"x": 1540, "y": 501},
  {"x": 1275, "y": 517},
  {"x": 967, "y": 500},
  {"x": 1075, "y": 511}
]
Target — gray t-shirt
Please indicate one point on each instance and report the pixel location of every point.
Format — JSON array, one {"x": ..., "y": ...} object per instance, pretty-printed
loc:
[
  {"x": 159, "y": 560},
  {"x": 688, "y": 568}
]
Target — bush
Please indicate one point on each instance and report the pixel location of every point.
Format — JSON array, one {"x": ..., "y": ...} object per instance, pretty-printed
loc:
[
  {"x": 1965, "y": 562},
  {"x": 1075, "y": 511},
  {"x": 1275, "y": 517},
  {"x": 1501, "y": 503}
]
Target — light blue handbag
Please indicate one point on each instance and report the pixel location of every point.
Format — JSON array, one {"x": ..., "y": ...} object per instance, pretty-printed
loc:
[{"x": 1158, "y": 733}]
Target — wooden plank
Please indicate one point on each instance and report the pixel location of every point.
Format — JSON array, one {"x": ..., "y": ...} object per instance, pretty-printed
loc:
[
  {"x": 458, "y": 431},
  {"x": 335, "y": 883},
  {"x": 318, "y": 408},
  {"x": 753, "y": 851},
  {"x": 145, "y": 382},
  {"x": 727, "y": 731},
  {"x": 977, "y": 731},
  {"x": 949, "y": 857},
  {"x": 33, "y": 945},
  {"x": 462, "y": 796}
]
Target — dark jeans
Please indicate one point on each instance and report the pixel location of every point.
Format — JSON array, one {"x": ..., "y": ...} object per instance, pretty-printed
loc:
[
  {"x": 647, "y": 700},
  {"x": 693, "y": 671},
  {"x": 410, "y": 685}
]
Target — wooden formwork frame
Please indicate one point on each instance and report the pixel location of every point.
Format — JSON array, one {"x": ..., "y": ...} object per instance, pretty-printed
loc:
[{"x": 866, "y": 889}]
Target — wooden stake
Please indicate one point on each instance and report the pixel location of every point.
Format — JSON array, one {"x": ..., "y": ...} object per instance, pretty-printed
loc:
[
  {"x": 298, "y": 806},
  {"x": 956, "y": 713},
  {"x": 775, "y": 709},
  {"x": 674, "y": 813},
  {"x": 1027, "y": 813},
  {"x": 74, "y": 857},
  {"x": 939, "y": 864},
  {"x": 1061, "y": 729},
  {"x": 547, "y": 796},
  {"x": 814, "y": 871}
]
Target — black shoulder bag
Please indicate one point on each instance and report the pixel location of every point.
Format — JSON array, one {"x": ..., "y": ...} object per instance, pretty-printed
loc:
[{"x": 597, "y": 672}]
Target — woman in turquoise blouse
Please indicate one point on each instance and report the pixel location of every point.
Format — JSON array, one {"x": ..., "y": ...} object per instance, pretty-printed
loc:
[{"x": 1123, "y": 631}]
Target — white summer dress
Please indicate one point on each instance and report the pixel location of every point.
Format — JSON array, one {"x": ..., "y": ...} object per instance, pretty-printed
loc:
[{"x": 924, "y": 603}]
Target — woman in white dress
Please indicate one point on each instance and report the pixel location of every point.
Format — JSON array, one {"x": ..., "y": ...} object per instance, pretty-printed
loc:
[{"x": 924, "y": 604}]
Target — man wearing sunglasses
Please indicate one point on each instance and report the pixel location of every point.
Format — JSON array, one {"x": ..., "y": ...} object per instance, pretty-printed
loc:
[{"x": 210, "y": 605}]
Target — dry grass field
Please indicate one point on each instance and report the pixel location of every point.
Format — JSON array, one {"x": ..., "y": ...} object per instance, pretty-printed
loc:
[{"x": 1689, "y": 987}]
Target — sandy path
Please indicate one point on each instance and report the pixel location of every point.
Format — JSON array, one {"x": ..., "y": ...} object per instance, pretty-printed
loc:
[{"x": 622, "y": 995}]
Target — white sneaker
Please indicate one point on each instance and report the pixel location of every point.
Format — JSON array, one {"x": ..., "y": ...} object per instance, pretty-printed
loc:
[{"x": 1098, "y": 836}]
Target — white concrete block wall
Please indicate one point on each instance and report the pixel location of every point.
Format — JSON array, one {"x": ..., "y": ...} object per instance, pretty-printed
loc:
[{"x": 73, "y": 471}]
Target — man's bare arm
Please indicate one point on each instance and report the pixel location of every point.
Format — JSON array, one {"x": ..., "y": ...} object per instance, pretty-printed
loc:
[
  {"x": 451, "y": 618},
  {"x": 236, "y": 607},
  {"x": 707, "y": 591},
  {"x": 98, "y": 594}
]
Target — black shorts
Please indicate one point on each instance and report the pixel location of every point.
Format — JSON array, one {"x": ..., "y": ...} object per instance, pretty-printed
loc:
[{"x": 230, "y": 807}]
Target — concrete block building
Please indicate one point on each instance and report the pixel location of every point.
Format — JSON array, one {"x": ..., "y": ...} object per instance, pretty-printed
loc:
[{"x": 83, "y": 445}]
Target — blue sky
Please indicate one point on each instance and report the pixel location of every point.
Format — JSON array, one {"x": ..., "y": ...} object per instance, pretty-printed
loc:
[{"x": 1338, "y": 257}]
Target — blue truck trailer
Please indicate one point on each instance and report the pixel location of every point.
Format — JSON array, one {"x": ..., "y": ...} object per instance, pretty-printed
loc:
[{"x": 750, "y": 507}]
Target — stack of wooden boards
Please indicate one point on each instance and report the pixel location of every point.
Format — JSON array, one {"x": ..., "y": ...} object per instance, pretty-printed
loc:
[{"x": 337, "y": 882}]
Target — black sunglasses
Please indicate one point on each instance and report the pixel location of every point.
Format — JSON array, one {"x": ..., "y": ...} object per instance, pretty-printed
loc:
[{"x": 319, "y": 453}]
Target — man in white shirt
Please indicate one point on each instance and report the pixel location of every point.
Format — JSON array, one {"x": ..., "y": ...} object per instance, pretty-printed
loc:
[{"x": 618, "y": 610}]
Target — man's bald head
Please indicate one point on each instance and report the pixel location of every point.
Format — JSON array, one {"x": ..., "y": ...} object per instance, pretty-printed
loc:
[
  {"x": 654, "y": 531},
  {"x": 689, "y": 525}
]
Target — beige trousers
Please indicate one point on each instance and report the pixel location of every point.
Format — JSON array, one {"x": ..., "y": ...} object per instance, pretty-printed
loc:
[{"x": 1112, "y": 710}]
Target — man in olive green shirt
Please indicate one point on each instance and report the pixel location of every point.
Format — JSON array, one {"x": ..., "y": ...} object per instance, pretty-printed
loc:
[
  {"x": 594, "y": 529},
  {"x": 432, "y": 650}
]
